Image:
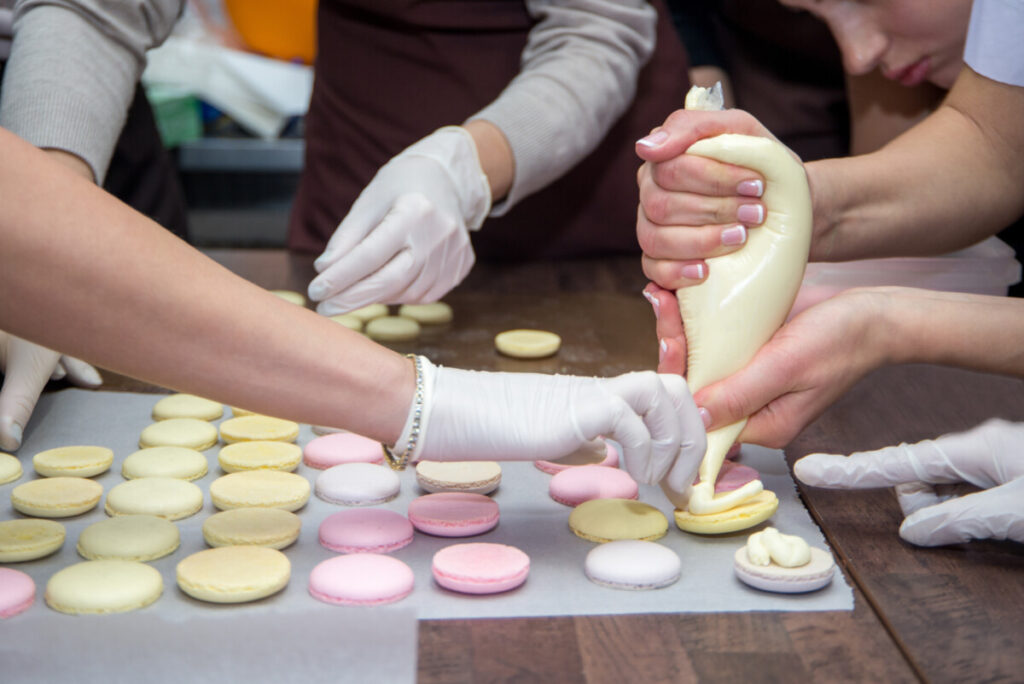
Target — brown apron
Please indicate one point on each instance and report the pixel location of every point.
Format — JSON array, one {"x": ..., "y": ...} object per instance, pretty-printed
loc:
[
  {"x": 787, "y": 71},
  {"x": 389, "y": 72}
]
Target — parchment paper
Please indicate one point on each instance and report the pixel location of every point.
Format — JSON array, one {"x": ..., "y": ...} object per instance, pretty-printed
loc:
[{"x": 530, "y": 520}]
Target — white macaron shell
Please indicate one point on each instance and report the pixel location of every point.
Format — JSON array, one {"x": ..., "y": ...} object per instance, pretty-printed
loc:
[{"x": 632, "y": 564}]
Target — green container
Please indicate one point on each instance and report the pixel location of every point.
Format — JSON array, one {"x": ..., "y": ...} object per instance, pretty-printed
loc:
[{"x": 177, "y": 115}]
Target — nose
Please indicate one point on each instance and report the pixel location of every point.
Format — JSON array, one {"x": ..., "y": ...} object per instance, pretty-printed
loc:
[{"x": 861, "y": 42}]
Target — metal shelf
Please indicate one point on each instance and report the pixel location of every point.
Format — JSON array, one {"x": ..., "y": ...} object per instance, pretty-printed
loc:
[{"x": 284, "y": 155}]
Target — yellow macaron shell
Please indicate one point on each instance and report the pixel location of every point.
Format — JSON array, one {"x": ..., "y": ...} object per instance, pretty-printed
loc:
[
  {"x": 752, "y": 512},
  {"x": 56, "y": 497},
  {"x": 349, "y": 321},
  {"x": 270, "y": 527},
  {"x": 129, "y": 537},
  {"x": 234, "y": 574},
  {"x": 164, "y": 497},
  {"x": 73, "y": 461},
  {"x": 602, "y": 520},
  {"x": 258, "y": 428},
  {"x": 10, "y": 468},
  {"x": 259, "y": 455},
  {"x": 392, "y": 329},
  {"x": 103, "y": 586},
  {"x": 369, "y": 312},
  {"x": 527, "y": 344},
  {"x": 190, "y": 433},
  {"x": 29, "y": 539},
  {"x": 260, "y": 488},
  {"x": 433, "y": 313},
  {"x": 187, "y": 406},
  {"x": 180, "y": 463}
]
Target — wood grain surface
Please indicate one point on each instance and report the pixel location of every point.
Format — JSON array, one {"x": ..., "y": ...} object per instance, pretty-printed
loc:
[{"x": 952, "y": 614}]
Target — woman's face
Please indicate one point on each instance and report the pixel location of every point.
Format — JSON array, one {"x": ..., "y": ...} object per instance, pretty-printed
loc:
[{"x": 911, "y": 41}]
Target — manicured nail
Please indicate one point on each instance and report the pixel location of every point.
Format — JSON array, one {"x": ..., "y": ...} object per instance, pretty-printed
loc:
[
  {"x": 662, "y": 348},
  {"x": 736, "y": 235},
  {"x": 750, "y": 188},
  {"x": 694, "y": 271},
  {"x": 653, "y": 140},
  {"x": 705, "y": 416},
  {"x": 750, "y": 213}
]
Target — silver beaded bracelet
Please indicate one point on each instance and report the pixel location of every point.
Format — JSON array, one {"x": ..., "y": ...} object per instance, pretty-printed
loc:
[{"x": 400, "y": 460}]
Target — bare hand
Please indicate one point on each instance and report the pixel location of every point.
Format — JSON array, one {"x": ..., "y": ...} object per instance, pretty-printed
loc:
[{"x": 693, "y": 208}]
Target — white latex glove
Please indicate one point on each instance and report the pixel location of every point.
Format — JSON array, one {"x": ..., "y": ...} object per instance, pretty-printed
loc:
[
  {"x": 406, "y": 238},
  {"x": 990, "y": 456},
  {"x": 27, "y": 368},
  {"x": 471, "y": 415}
]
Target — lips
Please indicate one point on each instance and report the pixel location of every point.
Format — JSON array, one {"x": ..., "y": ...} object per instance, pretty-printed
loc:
[{"x": 911, "y": 75}]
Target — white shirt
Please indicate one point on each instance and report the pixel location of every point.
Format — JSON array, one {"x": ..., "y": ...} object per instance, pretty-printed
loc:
[{"x": 995, "y": 40}]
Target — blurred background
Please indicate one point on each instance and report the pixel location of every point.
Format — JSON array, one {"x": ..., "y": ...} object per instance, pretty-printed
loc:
[{"x": 229, "y": 90}]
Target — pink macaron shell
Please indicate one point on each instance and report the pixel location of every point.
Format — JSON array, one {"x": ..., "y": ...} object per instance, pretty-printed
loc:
[
  {"x": 361, "y": 579},
  {"x": 611, "y": 460},
  {"x": 17, "y": 592},
  {"x": 574, "y": 486},
  {"x": 453, "y": 514},
  {"x": 341, "y": 447},
  {"x": 480, "y": 568},
  {"x": 733, "y": 476},
  {"x": 365, "y": 530}
]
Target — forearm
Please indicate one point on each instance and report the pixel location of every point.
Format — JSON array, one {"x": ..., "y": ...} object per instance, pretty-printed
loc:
[
  {"x": 978, "y": 332},
  {"x": 73, "y": 70},
  {"x": 124, "y": 294},
  {"x": 578, "y": 76},
  {"x": 495, "y": 154},
  {"x": 945, "y": 184}
]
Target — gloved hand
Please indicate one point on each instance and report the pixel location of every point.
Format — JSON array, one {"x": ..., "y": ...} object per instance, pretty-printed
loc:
[
  {"x": 990, "y": 456},
  {"x": 406, "y": 238},
  {"x": 27, "y": 368},
  {"x": 472, "y": 415}
]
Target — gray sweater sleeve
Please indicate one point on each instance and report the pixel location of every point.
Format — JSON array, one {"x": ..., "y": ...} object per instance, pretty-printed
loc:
[
  {"x": 578, "y": 75},
  {"x": 73, "y": 69}
]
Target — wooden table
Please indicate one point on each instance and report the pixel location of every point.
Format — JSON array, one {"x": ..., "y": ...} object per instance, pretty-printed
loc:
[{"x": 953, "y": 614}]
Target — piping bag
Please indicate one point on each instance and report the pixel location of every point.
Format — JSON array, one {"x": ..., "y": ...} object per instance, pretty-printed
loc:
[{"x": 747, "y": 294}]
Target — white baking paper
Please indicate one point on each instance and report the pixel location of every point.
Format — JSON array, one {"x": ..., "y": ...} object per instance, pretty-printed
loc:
[{"x": 530, "y": 520}]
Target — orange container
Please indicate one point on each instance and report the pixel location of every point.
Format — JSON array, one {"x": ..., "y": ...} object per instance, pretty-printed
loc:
[{"x": 285, "y": 29}]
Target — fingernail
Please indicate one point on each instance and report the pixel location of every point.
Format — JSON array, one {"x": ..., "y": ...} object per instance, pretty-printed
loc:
[
  {"x": 705, "y": 416},
  {"x": 316, "y": 291},
  {"x": 750, "y": 188},
  {"x": 693, "y": 271},
  {"x": 735, "y": 235},
  {"x": 662, "y": 348},
  {"x": 750, "y": 213},
  {"x": 653, "y": 140},
  {"x": 656, "y": 306}
]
